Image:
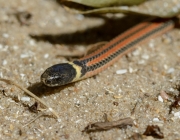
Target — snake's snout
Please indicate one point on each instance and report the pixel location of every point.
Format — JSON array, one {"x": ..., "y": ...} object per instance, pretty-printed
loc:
[{"x": 46, "y": 78}]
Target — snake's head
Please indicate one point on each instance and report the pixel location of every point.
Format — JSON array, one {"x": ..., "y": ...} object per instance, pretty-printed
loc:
[{"x": 59, "y": 74}]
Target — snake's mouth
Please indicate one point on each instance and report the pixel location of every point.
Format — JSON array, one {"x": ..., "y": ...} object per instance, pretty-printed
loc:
[
  {"x": 50, "y": 79},
  {"x": 46, "y": 79}
]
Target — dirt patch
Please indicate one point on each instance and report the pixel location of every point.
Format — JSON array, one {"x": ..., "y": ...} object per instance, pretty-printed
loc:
[{"x": 34, "y": 34}]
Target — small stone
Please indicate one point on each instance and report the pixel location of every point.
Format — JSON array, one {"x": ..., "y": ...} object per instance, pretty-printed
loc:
[
  {"x": 160, "y": 99},
  {"x": 25, "y": 99},
  {"x": 122, "y": 71}
]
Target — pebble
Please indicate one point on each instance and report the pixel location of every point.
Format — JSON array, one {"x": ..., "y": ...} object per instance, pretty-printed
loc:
[
  {"x": 160, "y": 98},
  {"x": 122, "y": 71},
  {"x": 156, "y": 120},
  {"x": 25, "y": 99},
  {"x": 164, "y": 95},
  {"x": 5, "y": 35},
  {"x": 46, "y": 55},
  {"x": 171, "y": 70},
  {"x": 145, "y": 56},
  {"x": 4, "y": 62},
  {"x": 177, "y": 114}
]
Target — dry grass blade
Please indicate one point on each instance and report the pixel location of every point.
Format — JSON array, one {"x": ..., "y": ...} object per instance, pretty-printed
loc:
[
  {"x": 30, "y": 94},
  {"x": 33, "y": 120}
]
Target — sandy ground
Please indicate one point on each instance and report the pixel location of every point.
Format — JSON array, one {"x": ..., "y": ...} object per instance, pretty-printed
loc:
[{"x": 28, "y": 48}]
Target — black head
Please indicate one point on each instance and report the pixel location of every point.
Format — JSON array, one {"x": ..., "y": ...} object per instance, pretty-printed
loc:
[{"x": 58, "y": 75}]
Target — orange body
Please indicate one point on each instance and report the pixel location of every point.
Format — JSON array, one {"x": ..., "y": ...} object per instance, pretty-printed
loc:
[{"x": 92, "y": 64}]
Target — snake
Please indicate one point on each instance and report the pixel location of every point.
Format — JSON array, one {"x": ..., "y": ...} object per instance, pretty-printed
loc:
[{"x": 103, "y": 57}]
